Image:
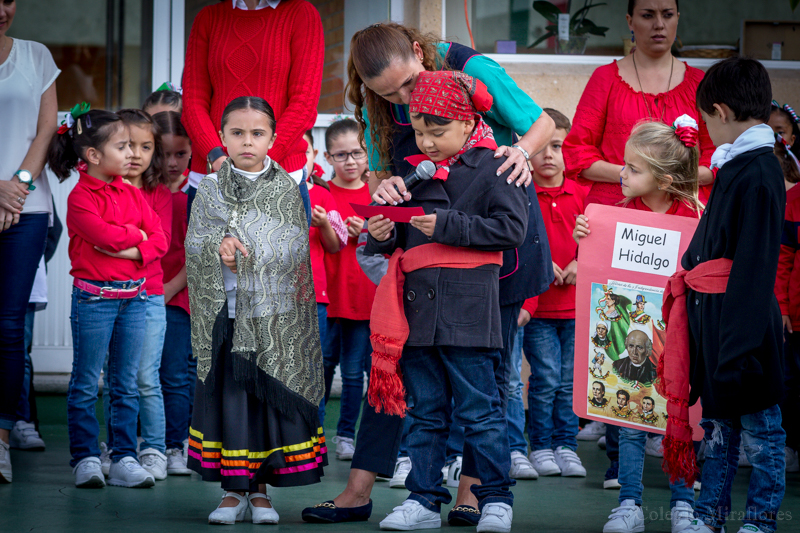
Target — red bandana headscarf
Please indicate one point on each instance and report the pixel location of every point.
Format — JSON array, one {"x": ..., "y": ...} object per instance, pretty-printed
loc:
[{"x": 453, "y": 95}]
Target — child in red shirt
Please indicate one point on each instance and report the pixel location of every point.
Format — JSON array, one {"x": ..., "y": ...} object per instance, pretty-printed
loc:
[
  {"x": 327, "y": 234},
  {"x": 178, "y": 369},
  {"x": 549, "y": 338},
  {"x": 114, "y": 239},
  {"x": 350, "y": 291},
  {"x": 146, "y": 174}
]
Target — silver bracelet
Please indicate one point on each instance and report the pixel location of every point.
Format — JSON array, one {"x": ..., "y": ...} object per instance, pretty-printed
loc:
[{"x": 524, "y": 152}]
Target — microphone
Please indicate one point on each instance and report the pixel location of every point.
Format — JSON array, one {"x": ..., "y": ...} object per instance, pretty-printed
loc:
[{"x": 424, "y": 171}]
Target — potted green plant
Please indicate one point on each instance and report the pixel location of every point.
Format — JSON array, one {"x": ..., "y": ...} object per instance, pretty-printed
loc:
[{"x": 580, "y": 28}]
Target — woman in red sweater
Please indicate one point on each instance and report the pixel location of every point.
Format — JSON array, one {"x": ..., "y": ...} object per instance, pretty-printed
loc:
[
  {"x": 648, "y": 84},
  {"x": 271, "y": 49}
]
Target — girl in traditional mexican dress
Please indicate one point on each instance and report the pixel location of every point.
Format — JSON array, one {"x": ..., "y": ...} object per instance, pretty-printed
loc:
[{"x": 254, "y": 325}]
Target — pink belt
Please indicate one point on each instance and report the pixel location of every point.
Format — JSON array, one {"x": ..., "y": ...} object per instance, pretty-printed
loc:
[{"x": 108, "y": 292}]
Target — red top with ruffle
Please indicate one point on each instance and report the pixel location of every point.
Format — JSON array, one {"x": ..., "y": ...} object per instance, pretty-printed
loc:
[{"x": 607, "y": 112}]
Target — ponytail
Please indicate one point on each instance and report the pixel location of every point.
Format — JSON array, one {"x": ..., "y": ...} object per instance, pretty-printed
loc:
[{"x": 83, "y": 130}]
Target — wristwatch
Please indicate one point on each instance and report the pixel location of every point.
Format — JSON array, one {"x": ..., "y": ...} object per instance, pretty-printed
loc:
[
  {"x": 212, "y": 156},
  {"x": 25, "y": 177},
  {"x": 523, "y": 150}
]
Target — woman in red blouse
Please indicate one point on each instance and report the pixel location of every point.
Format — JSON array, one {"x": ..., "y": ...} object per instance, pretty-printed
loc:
[{"x": 649, "y": 84}]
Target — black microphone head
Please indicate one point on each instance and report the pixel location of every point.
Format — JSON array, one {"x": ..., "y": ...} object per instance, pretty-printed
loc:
[{"x": 426, "y": 170}]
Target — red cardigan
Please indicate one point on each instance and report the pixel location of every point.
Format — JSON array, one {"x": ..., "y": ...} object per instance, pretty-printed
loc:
[
  {"x": 276, "y": 54},
  {"x": 110, "y": 215},
  {"x": 607, "y": 112}
]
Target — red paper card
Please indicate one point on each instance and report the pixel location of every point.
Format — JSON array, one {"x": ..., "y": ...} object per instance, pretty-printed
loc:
[
  {"x": 393, "y": 213},
  {"x": 623, "y": 267}
]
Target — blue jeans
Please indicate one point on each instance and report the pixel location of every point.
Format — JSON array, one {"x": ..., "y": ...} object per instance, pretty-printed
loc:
[
  {"x": 151, "y": 400},
  {"x": 21, "y": 248},
  {"x": 24, "y": 405},
  {"x": 550, "y": 348},
  {"x": 515, "y": 412},
  {"x": 631, "y": 465},
  {"x": 351, "y": 349},
  {"x": 322, "y": 317},
  {"x": 178, "y": 371},
  {"x": 434, "y": 376},
  {"x": 103, "y": 327},
  {"x": 763, "y": 439}
]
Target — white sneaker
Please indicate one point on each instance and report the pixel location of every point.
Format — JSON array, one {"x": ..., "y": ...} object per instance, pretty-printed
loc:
[
  {"x": 25, "y": 437},
  {"x": 454, "y": 472},
  {"x": 698, "y": 526},
  {"x": 154, "y": 462},
  {"x": 544, "y": 461},
  {"x": 5, "y": 463},
  {"x": 654, "y": 446},
  {"x": 262, "y": 515},
  {"x": 569, "y": 463},
  {"x": 744, "y": 462},
  {"x": 127, "y": 472},
  {"x": 229, "y": 515},
  {"x": 401, "y": 470},
  {"x": 496, "y": 517},
  {"x": 592, "y": 431},
  {"x": 176, "y": 464},
  {"x": 750, "y": 528},
  {"x": 681, "y": 516},
  {"x": 521, "y": 468},
  {"x": 792, "y": 460},
  {"x": 88, "y": 474},
  {"x": 601, "y": 442},
  {"x": 105, "y": 458},
  {"x": 344, "y": 448},
  {"x": 627, "y": 518},
  {"x": 409, "y": 516}
]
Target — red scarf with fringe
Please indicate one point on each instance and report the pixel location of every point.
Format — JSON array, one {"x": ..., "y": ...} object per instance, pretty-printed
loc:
[
  {"x": 710, "y": 277},
  {"x": 388, "y": 324}
]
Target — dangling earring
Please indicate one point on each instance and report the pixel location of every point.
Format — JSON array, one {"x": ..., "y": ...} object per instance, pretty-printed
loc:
[{"x": 633, "y": 37}]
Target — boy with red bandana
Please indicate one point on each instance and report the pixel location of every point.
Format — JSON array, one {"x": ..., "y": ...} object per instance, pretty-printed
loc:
[{"x": 440, "y": 307}]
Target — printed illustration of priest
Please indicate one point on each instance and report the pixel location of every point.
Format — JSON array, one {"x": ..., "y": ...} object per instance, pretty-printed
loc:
[{"x": 638, "y": 366}]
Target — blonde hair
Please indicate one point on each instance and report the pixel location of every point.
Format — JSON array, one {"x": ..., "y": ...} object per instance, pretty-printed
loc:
[{"x": 666, "y": 155}]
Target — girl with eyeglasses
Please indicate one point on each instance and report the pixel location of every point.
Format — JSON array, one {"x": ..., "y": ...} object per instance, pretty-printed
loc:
[{"x": 349, "y": 290}]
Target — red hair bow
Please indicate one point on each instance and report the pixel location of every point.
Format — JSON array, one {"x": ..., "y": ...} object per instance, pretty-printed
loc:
[
  {"x": 62, "y": 129},
  {"x": 687, "y": 135},
  {"x": 686, "y": 129}
]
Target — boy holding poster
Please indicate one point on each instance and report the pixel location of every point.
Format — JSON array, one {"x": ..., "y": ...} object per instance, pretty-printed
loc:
[
  {"x": 731, "y": 359},
  {"x": 660, "y": 175},
  {"x": 440, "y": 304}
]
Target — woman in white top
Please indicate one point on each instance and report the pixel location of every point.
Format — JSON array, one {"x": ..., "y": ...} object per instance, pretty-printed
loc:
[{"x": 28, "y": 107}]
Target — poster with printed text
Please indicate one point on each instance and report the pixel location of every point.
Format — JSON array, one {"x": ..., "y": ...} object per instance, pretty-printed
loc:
[{"x": 623, "y": 267}]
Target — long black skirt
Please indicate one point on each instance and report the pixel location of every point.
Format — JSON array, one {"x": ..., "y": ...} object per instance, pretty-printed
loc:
[{"x": 241, "y": 441}]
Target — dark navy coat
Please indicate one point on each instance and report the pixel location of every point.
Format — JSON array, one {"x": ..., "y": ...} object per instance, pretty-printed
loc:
[
  {"x": 477, "y": 209},
  {"x": 737, "y": 337}
]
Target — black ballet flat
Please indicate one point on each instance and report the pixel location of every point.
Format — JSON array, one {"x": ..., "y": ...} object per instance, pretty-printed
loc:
[
  {"x": 328, "y": 513},
  {"x": 463, "y": 515}
]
